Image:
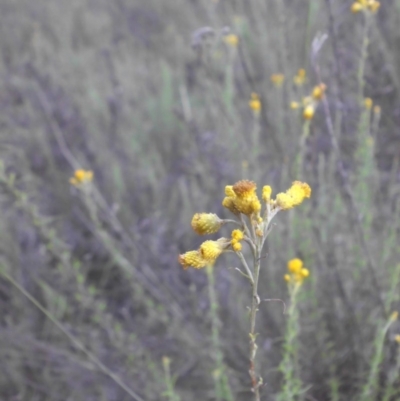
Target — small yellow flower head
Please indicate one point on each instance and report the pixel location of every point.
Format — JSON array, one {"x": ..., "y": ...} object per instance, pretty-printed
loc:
[
  {"x": 231, "y": 40},
  {"x": 81, "y": 177},
  {"x": 308, "y": 112},
  {"x": 397, "y": 338},
  {"x": 210, "y": 250},
  {"x": 373, "y": 6},
  {"x": 236, "y": 246},
  {"x": 294, "y": 196},
  {"x": 193, "y": 259},
  {"x": 244, "y": 189},
  {"x": 356, "y": 7},
  {"x": 295, "y": 265},
  {"x": 277, "y": 79},
  {"x": 394, "y": 316},
  {"x": 377, "y": 110},
  {"x": 255, "y": 103},
  {"x": 206, "y": 223},
  {"x": 294, "y": 105},
  {"x": 166, "y": 361},
  {"x": 246, "y": 200},
  {"x": 297, "y": 273},
  {"x": 368, "y": 102},
  {"x": 319, "y": 92},
  {"x": 266, "y": 193},
  {"x": 238, "y": 235},
  {"x": 300, "y": 77}
]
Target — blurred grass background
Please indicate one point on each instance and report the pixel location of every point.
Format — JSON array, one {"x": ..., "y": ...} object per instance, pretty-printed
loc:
[{"x": 156, "y": 104}]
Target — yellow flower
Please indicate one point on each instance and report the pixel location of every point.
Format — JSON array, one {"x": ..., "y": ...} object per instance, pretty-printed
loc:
[
  {"x": 368, "y": 102},
  {"x": 394, "y": 316},
  {"x": 308, "y": 112},
  {"x": 81, "y": 177},
  {"x": 356, "y": 7},
  {"x": 297, "y": 273},
  {"x": 319, "y": 91},
  {"x": 242, "y": 198},
  {"x": 373, "y": 6},
  {"x": 210, "y": 250},
  {"x": 231, "y": 40},
  {"x": 193, "y": 259},
  {"x": 397, "y": 338},
  {"x": 295, "y": 265},
  {"x": 300, "y": 77},
  {"x": 266, "y": 193},
  {"x": 294, "y": 195},
  {"x": 277, "y": 79},
  {"x": 237, "y": 235},
  {"x": 206, "y": 223},
  {"x": 236, "y": 246},
  {"x": 255, "y": 103},
  {"x": 294, "y": 105}
]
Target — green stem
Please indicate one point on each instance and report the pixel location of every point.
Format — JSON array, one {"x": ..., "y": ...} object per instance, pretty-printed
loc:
[{"x": 255, "y": 380}]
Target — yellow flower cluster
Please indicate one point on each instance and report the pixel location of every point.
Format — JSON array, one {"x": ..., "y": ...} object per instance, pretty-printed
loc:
[
  {"x": 206, "y": 223},
  {"x": 297, "y": 273},
  {"x": 310, "y": 103},
  {"x": 241, "y": 198},
  {"x": 81, "y": 177},
  {"x": 294, "y": 196},
  {"x": 206, "y": 255},
  {"x": 255, "y": 103},
  {"x": 231, "y": 40},
  {"x": 277, "y": 79},
  {"x": 369, "y": 6},
  {"x": 300, "y": 77},
  {"x": 237, "y": 236}
]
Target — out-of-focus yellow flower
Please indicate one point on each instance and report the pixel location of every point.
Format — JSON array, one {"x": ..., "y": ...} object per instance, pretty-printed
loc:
[
  {"x": 368, "y": 103},
  {"x": 297, "y": 273},
  {"x": 192, "y": 259},
  {"x": 319, "y": 91},
  {"x": 231, "y": 40},
  {"x": 294, "y": 196},
  {"x": 206, "y": 223},
  {"x": 295, "y": 265},
  {"x": 255, "y": 103},
  {"x": 242, "y": 198},
  {"x": 294, "y": 105},
  {"x": 371, "y": 6},
  {"x": 397, "y": 338},
  {"x": 377, "y": 109},
  {"x": 81, "y": 177},
  {"x": 308, "y": 112},
  {"x": 394, "y": 316},
  {"x": 277, "y": 79},
  {"x": 300, "y": 77},
  {"x": 356, "y": 7}
]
